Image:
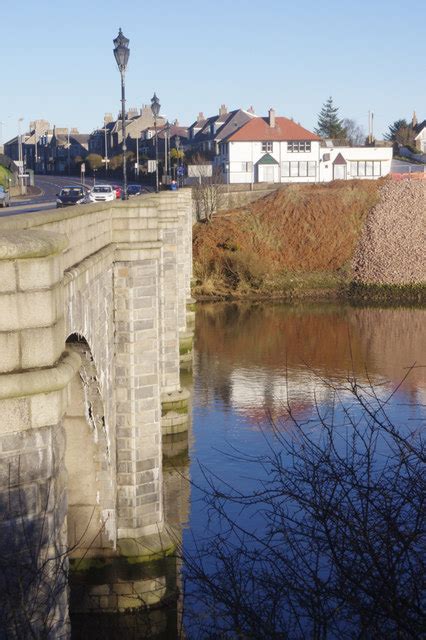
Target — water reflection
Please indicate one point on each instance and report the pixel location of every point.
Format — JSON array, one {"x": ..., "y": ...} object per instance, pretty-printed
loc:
[
  {"x": 253, "y": 359},
  {"x": 256, "y": 358}
]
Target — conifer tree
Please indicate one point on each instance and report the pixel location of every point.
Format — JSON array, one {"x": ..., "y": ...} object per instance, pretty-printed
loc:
[{"x": 329, "y": 124}]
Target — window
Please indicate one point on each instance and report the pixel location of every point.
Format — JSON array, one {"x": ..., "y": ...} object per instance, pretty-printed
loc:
[
  {"x": 247, "y": 167},
  {"x": 285, "y": 169},
  {"x": 267, "y": 146},
  {"x": 377, "y": 168},
  {"x": 303, "y": 169},
  {"x": 296, "y": 146},
  {"x": 296, "y": 169},
  {"x": 366, "y": 168}
]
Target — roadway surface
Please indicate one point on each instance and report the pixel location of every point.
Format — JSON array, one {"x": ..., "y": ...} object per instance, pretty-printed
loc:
[{"x": 50, "y": 186}]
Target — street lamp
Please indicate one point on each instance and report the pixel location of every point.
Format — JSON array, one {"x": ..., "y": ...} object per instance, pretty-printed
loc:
[
  {"x": 155, "y": 108},
  {"x": 121, "y": 53},
  {"x": 20, "y": 157},
  {"x": 177, "y": 145}
]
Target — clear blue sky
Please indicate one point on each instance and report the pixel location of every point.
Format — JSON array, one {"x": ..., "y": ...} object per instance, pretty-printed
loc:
[{"x": 57, "y": 60}]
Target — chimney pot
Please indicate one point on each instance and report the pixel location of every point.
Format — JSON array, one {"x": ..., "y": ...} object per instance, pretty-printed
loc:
[{"x": 272, "y": 117}]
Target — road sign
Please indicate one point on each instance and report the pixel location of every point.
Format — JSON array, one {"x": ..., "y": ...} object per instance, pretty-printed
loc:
[
  {"x": 83, "y": 167},
  {"x": 151, "y": 166},
  {"x": 180, "y": 171}
]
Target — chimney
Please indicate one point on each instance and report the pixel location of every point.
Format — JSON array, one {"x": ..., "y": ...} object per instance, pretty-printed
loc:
[
  {"x": 223, "y": 110},
  {"x": 250, "y": 109},
  {"x": 108, "y": 118},
  {"x": 271, "y": 117},
  {"x": 200, "y": 116},
  {"x": 414, "y": 120}
]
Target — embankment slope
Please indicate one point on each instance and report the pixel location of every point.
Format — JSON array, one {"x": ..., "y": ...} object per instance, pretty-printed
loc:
[{"x": 314, "y": 240}]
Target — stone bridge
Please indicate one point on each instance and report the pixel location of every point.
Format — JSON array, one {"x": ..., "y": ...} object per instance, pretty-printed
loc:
[{"x": 94, "y": 321}]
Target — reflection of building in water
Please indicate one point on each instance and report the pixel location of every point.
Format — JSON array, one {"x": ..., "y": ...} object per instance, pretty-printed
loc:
[{"x": 258, "y": 357}]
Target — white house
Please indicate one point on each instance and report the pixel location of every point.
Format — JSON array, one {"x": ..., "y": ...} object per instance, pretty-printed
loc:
[
  {"x": 277, "y": 149},
  {"x": 421, "y": 137}
]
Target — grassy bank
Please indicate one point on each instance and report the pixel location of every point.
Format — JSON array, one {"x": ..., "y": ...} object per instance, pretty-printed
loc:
[
  {"x": 296, "y": 242},
  {"x": 4, "y": 177},
  {"x": 362, "y": 240}
]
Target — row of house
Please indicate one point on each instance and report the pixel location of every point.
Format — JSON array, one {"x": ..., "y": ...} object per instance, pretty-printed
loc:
[{"x": 242, "y": 146}]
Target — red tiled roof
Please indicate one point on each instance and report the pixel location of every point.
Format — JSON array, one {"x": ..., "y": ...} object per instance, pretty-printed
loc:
[{"x": 258, "y": 129}]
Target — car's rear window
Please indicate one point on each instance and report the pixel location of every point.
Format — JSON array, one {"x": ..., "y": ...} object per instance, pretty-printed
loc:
[
  {"x": 101, "y": 189},
  {"x": 71, "y": 192}
]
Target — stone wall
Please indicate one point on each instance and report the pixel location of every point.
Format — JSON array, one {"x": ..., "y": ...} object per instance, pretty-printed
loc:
[{"x": 118, "y": 275}]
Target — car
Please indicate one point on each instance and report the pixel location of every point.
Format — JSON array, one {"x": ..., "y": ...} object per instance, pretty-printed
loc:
[
  {"x": 69, "y": 196},
  {"x": 134, "y": 190},
  {"x": 118, "y": 191},
  {"x": 4, "y": 197},
  {"x": 102, "y": 193}
]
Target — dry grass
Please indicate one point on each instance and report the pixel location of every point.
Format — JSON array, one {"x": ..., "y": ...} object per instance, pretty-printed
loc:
[{"x": 299, "y": 238}]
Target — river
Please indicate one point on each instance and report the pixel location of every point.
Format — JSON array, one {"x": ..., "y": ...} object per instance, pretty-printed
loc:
[{"x": 251, "y": 363}]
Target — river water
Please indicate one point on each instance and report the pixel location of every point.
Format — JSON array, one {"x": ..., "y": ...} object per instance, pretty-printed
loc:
[{"x": 252, "y": 361}]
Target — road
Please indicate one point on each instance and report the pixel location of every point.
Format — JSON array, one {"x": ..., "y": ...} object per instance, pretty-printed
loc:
[
  {"x": 402, "y": 166},
  {"x": 49, "y": 185}
]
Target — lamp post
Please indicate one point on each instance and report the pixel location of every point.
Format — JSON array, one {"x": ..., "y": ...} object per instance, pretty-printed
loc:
[
  {"x": 121, "y": 53},
  {"x": 177, "y": 144},
  {"x": 20, "y": 158},
  {"x": 155, "y": 108},
  {"x": 167, "y": 150},
  {"x": 106, "y": 146}
]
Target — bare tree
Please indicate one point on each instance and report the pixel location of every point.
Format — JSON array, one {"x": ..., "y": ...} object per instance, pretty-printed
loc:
[
  {"x": 354, "y": 133},
  {"x": 208, "y": 190},
  {"x": 339, "y": 550}
]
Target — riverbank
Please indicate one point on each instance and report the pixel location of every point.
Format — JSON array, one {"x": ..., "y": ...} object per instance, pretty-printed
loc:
[{"x": 356, "y": 240}]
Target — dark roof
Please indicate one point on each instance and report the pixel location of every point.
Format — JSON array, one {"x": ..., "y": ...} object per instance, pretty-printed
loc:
[
  {"x": 420, "y": 126},
  {"x": 339, "y": 159},
  {"x": 225, "y": 125},
  {"x": 267, "y": 159}
]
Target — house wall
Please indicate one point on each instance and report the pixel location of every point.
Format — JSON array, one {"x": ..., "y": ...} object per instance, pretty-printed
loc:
[
  {"x": 421, "y": 140},
  {"x": 239, "y": 154},
  {"x": 251, "y": 152},
  {"x": 359, "y": 155}
]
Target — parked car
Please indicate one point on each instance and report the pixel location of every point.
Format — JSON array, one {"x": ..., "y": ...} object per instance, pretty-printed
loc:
[
  {"x": 118, "y": 190},
  {"x": 102, "y": 193},
  {"x": 134, "y": 190},
  {"x": 69, "y": 196},
  {"x": 4, "y": 197}
]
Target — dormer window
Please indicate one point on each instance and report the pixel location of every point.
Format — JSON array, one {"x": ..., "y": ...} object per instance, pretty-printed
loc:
[{"x": 267, "y": 146}]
